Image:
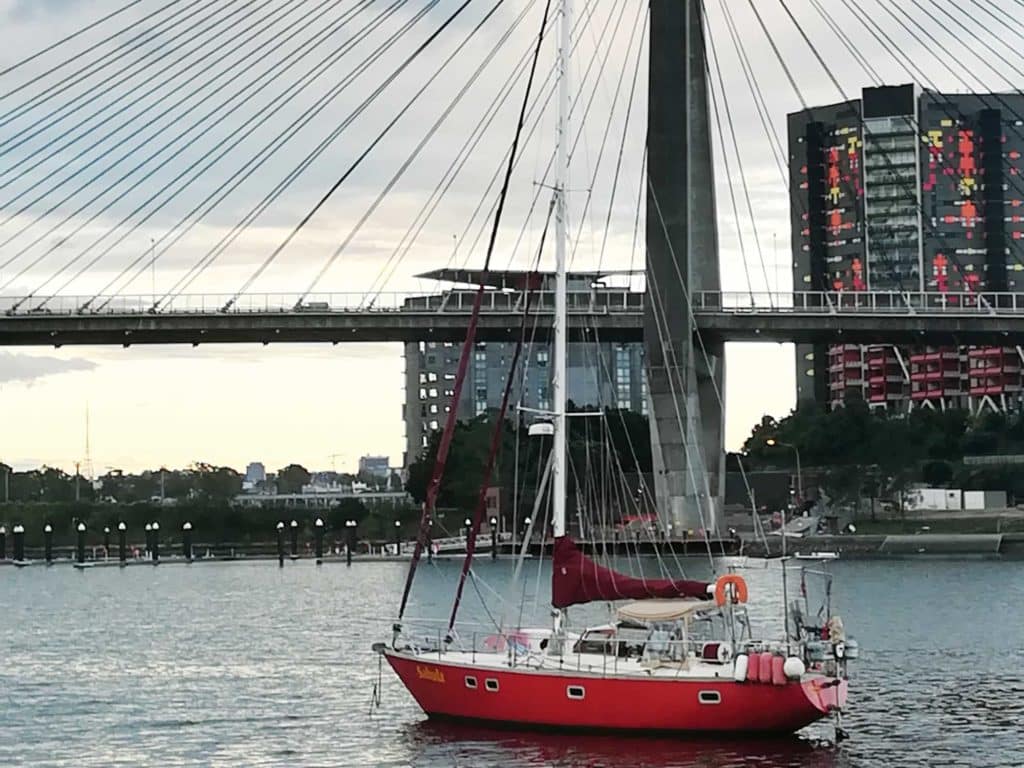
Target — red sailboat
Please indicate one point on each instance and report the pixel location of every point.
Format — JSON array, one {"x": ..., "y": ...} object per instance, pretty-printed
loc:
[
  {"x": 674, "y": 656},
  {"x": 672, "y": 660}
]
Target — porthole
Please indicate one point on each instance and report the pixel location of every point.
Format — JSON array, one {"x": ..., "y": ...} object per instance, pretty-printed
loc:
[
  {"x": 491, "y": 684},
  {"x": 470, "y": 682},
  {"x": 575, "y": 692},
  {"x": 709, "y": 697}
]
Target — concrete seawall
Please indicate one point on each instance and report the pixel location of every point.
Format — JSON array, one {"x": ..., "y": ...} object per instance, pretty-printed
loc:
[{"x": 916, "y": 545}]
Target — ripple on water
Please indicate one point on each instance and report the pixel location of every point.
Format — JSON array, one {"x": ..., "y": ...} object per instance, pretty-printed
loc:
[{"x": 248, "y": 664}]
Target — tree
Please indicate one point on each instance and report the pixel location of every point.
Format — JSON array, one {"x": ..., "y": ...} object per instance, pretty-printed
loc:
[
  {"x": 218, "y": 483},
  {"x": 292, "y": 478}
]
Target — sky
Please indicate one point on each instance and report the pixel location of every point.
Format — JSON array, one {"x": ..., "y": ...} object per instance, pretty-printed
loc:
[{"x": 224, "y": 122}]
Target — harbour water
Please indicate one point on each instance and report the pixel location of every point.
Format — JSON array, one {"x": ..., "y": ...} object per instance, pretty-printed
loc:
[{"x": 247, "y": 664}]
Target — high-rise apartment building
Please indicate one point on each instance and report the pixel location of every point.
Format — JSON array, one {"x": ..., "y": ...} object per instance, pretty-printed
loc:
[
  {"x": 601, "y": 374},
  {"x": 910, "y": 191}
]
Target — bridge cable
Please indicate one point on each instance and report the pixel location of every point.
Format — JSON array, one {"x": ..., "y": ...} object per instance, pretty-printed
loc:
[
  {"x": 428, "y": 135},
  {"x": 275, "y": 71},
  {"x": 102, "y": 155},
  {"x": 109, "y": 87},
  {"x": 263, "y": 116},
  {"x": 407, "y": 241},
  {"x": 891, "y": 47},
  {"x": 586, "y": 209},
  {"x": 757, "y": 95},
  {"x": 131, "y": 152},
  {"x": 542, "y": 184},
  {"x": 718, "y": 110},
  {"x": 454, "y": 168},
  {"x": 645, "y": 23},
  {"x": 599, "y": 47},
  {"x": 380, "y": 136},
  {"x": 1007, "y": 18},
  {"x": 82, "y": 31},
  {"x": 410, "y": 237},
  {"x": 499, "y": 423},
  {"x": 835, "y": 82},
  {"x": 257, "y": 161},
  {"x": 279, "y": 11},
  {"x": 94, "y": 67},
  {"x": 847, "y": 43},
  {"x": 578, "y": 24}
]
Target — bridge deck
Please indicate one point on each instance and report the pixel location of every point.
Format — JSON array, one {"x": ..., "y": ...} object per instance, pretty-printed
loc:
[{"x": 608, "y": 315}]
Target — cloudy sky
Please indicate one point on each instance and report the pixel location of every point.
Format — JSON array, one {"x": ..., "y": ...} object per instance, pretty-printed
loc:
[{"x": 177, "y": 157}]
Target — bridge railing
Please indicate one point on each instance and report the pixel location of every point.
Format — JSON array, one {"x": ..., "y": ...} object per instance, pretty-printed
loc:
[
  {"x": 455, "y": 301},
  {"x": 860, "y": 302}
]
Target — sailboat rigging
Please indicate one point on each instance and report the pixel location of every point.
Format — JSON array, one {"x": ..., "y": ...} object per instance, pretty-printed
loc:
[{"x": 675, "y": 656}]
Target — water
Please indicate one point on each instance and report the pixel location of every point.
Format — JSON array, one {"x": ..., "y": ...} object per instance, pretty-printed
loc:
[{"x": 246, "y": 664}]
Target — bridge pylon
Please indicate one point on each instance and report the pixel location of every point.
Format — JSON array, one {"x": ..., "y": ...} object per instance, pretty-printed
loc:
[{"x": 685, "y": 378}]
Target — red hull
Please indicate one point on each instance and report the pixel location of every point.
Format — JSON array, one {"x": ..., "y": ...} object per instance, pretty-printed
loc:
[{"x": 532, "y": 698}]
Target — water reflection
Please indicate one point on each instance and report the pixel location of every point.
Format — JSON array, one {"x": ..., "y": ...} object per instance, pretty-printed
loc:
[{"x": 438, "y": 742}]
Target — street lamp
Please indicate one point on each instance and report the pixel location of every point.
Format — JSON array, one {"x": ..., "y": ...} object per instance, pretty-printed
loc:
[{"x": 772, "y": 442}]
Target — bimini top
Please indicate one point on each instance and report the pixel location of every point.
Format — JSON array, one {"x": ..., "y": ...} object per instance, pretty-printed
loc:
[{"x": 647, "y": 611}]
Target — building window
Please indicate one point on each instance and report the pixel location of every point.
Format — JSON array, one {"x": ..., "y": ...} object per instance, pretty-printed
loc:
[
  {"x": 643, "y": 391},
  {"x": 623, "y": 377},
  {"x": 431, "y": 376},
  {"x": 542, "y": 358}
]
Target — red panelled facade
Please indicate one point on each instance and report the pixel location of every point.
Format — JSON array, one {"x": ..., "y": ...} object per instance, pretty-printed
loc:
[{"x": 907, "y": 190}]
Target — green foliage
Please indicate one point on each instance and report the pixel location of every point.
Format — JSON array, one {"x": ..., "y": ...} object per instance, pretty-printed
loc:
[
  {"x": 625, "y": 433},
  {"x": 292, "y": 478},
  {"x": 858, "y": 446}
]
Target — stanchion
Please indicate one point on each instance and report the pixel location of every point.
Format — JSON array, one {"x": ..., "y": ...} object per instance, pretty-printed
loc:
[
  {"x": 186, "y": 542},
  {"x": 350, "y": 529},
  {"x": 80, "y": 544},
  {"x": 156, "y": 543},
  {"x": 48, "y": 544},
  {"x": 318, "y": 540},
  {"x": 122, "y": 543},
  {"x": 19, "y": 542},
  {"x": 280, "y": 544}
]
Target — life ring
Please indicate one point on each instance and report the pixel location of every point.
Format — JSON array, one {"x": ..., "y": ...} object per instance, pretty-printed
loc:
[{"x": 730, "y": 587}]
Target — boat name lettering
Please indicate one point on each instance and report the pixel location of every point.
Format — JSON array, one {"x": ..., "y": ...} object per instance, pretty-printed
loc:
[{"x": 433, "y": 674}]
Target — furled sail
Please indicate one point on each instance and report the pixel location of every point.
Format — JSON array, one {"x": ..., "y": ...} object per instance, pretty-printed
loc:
[{"x": 577, "y": 579}]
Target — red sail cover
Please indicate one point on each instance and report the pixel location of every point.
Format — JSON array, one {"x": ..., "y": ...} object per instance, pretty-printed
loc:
[{"x": 577, "y": 579}]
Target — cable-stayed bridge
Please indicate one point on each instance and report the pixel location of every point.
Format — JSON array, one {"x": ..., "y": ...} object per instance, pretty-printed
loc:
[
  {"x": 222, "y": 150},
  {"x": 616, "y": 316}
]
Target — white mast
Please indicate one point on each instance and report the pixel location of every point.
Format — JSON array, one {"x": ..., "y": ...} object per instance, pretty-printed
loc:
[{"x": 558, "y": 479}]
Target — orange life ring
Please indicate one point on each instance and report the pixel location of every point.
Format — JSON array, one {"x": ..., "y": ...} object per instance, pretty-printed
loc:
[{"x": 738, "y": 594}]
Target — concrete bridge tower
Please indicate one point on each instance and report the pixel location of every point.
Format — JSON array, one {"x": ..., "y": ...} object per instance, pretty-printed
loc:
[{"x": 682, "y": 258}]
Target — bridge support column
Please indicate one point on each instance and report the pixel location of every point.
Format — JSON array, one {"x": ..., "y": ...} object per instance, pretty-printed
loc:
[{"x": 684, "y": 377}]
